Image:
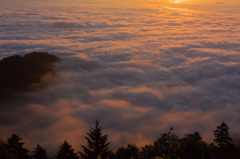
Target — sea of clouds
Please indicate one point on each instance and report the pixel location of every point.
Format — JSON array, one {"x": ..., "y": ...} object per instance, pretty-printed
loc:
[{"x": 138, "y": 67}]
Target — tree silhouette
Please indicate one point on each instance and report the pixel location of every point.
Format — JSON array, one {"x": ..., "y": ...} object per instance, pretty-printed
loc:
[
  {"x": 222, "y": 134},
  {"x": 128, "y": 152},
  {"x": 192, "y": 146},
  {"x": 148, "y": 151},
  {"x": 166, "y": 145},
  {"x": 15, "y": 147},
  {"x": 66, "y": 152},
  {"x": 4, "y": 154},
  {"x": 39, "y": 153},
  {"x": 97, "y": 144},
  {"x": 225, "y": 149}
]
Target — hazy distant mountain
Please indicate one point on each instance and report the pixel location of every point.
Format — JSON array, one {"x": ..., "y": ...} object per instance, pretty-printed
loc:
[{"x": 19, "y": 74}]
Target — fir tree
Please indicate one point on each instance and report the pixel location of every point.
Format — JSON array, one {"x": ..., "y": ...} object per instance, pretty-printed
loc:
[
  {"x": 39, "y": 153},
  {"x": 66, "y": 152},
  {"x": 222, "y": 134},
  {"x": 15, "y": 147},
  {"x": 97, "y": 144},
  {"x": 226, "y": 148}
]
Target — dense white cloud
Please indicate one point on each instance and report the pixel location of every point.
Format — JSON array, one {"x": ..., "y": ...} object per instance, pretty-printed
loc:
[{"x": 138, "y": 68}]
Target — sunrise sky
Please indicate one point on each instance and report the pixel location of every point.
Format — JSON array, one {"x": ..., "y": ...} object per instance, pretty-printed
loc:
[{"x": 139, "y": 67}]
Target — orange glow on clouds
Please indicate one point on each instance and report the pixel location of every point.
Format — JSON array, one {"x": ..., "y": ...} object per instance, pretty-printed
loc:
[{"x": 138, "y": 66}]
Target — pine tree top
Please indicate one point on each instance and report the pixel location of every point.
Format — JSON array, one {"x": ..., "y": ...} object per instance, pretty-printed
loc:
[
  {"x": 15, "y": 147},
  {"x": 39, "y": 153},
  {"x": 222, "y": 134},
  {"x": 66, "y": 152},
  {"x": 97, "y": 143}
]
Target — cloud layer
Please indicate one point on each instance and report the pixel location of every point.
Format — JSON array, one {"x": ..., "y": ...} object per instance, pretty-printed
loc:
[{"x": 140, "y": 68}]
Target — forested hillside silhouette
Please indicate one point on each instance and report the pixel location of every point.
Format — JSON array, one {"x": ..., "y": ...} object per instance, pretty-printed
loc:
[
  {"x": 19, "y": 73},
  {"x": 167, "y": 146}
]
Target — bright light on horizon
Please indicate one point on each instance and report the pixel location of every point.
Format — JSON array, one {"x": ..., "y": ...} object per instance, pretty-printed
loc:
[{"x": 178, "y": 1}]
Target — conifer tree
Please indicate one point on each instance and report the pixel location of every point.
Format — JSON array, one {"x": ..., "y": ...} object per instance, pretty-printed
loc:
[
  {"x": 15, "y": 147},
  {"x": 66, "y": 152},
  {"x": 39, "y": 153},
  {"x": 97, "y": 144},
  {"x": 222, "y": 134}
]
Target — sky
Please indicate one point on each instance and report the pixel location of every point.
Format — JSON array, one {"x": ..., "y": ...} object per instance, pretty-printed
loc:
[{"x": 139, "y": 67}]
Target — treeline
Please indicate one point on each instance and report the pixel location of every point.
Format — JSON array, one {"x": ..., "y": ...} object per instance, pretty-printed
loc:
[{"x": 167, "y": 146}]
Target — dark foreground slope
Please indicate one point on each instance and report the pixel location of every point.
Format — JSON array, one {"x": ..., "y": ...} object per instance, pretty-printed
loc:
[{"x": 18, "y": 74}]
